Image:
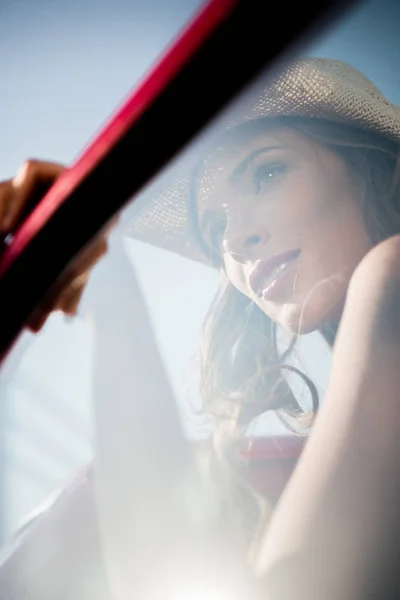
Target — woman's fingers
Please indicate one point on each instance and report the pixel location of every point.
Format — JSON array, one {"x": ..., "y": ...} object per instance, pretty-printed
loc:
[
  {"x": 22, "y": 193},
  {"x": 31, "y": 182},
  {"x": 78, "y": 275},
  {"x": 67, "y": 295},
  {"x": 89, "y": 256},
  {"x": 70, "y": 297},
  {"x": 6, "y": 192}
]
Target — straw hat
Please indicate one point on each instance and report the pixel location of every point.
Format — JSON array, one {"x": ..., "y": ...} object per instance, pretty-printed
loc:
[{"x": 313, "y": 87}]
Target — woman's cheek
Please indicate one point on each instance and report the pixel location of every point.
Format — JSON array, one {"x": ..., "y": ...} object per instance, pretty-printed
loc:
[{"x": 237, "y": 276}]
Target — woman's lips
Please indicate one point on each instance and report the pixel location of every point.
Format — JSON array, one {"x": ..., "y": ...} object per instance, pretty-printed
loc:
[{"x": 268, "y": 274}]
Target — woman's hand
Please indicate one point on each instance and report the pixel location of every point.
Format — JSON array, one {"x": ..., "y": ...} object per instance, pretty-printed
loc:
[{"x": 17, "y": 197}]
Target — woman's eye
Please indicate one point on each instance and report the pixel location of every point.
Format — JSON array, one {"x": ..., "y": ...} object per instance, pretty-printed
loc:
[{"x": 265, "y": 174}]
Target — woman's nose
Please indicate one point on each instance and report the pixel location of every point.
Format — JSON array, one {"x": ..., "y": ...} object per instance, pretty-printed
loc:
[{"x": 245, "y": 246}]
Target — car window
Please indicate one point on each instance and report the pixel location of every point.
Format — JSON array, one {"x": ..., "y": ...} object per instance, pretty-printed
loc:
[{"x": 76, "y": 62}]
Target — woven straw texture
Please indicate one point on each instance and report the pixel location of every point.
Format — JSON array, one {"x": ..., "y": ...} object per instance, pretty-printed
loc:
[{"x": 313, "y": 87}]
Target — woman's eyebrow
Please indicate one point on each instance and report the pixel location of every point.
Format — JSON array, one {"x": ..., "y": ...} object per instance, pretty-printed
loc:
[{"x": 242, "y": 167}]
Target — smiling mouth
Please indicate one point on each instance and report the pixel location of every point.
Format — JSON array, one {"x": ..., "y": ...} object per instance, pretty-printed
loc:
[{"x": 268, "y": 274}]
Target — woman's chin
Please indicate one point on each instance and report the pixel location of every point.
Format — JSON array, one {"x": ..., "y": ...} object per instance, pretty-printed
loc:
[
  {"x": 299, "y": 321},
  {"x": 306, "y": 314}
]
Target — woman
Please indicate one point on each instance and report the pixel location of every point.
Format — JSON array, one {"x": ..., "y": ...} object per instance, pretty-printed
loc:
[{"x": 291, "y": 205}]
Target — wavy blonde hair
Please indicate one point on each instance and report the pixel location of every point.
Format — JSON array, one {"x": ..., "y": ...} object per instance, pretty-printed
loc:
[{"x": 243, "y": 372}]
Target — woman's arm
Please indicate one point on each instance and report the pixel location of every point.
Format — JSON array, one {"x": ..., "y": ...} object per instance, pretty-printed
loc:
[
  {"x": 333, "y": 534},
  {"x": 18, "y": 197}
]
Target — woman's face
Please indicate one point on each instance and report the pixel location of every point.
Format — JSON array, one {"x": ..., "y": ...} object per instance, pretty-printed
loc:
[{"x": 285, "y": 217}]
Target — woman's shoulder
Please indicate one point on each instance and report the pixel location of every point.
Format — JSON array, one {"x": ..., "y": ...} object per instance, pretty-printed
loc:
[
  {"x": 374, "y": 291},
  {"x": 381, "y": 259},
  {"x": 379, "y": 267}
]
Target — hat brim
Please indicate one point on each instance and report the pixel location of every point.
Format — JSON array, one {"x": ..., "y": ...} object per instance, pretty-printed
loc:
[{"x": 312, "y": 88}]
